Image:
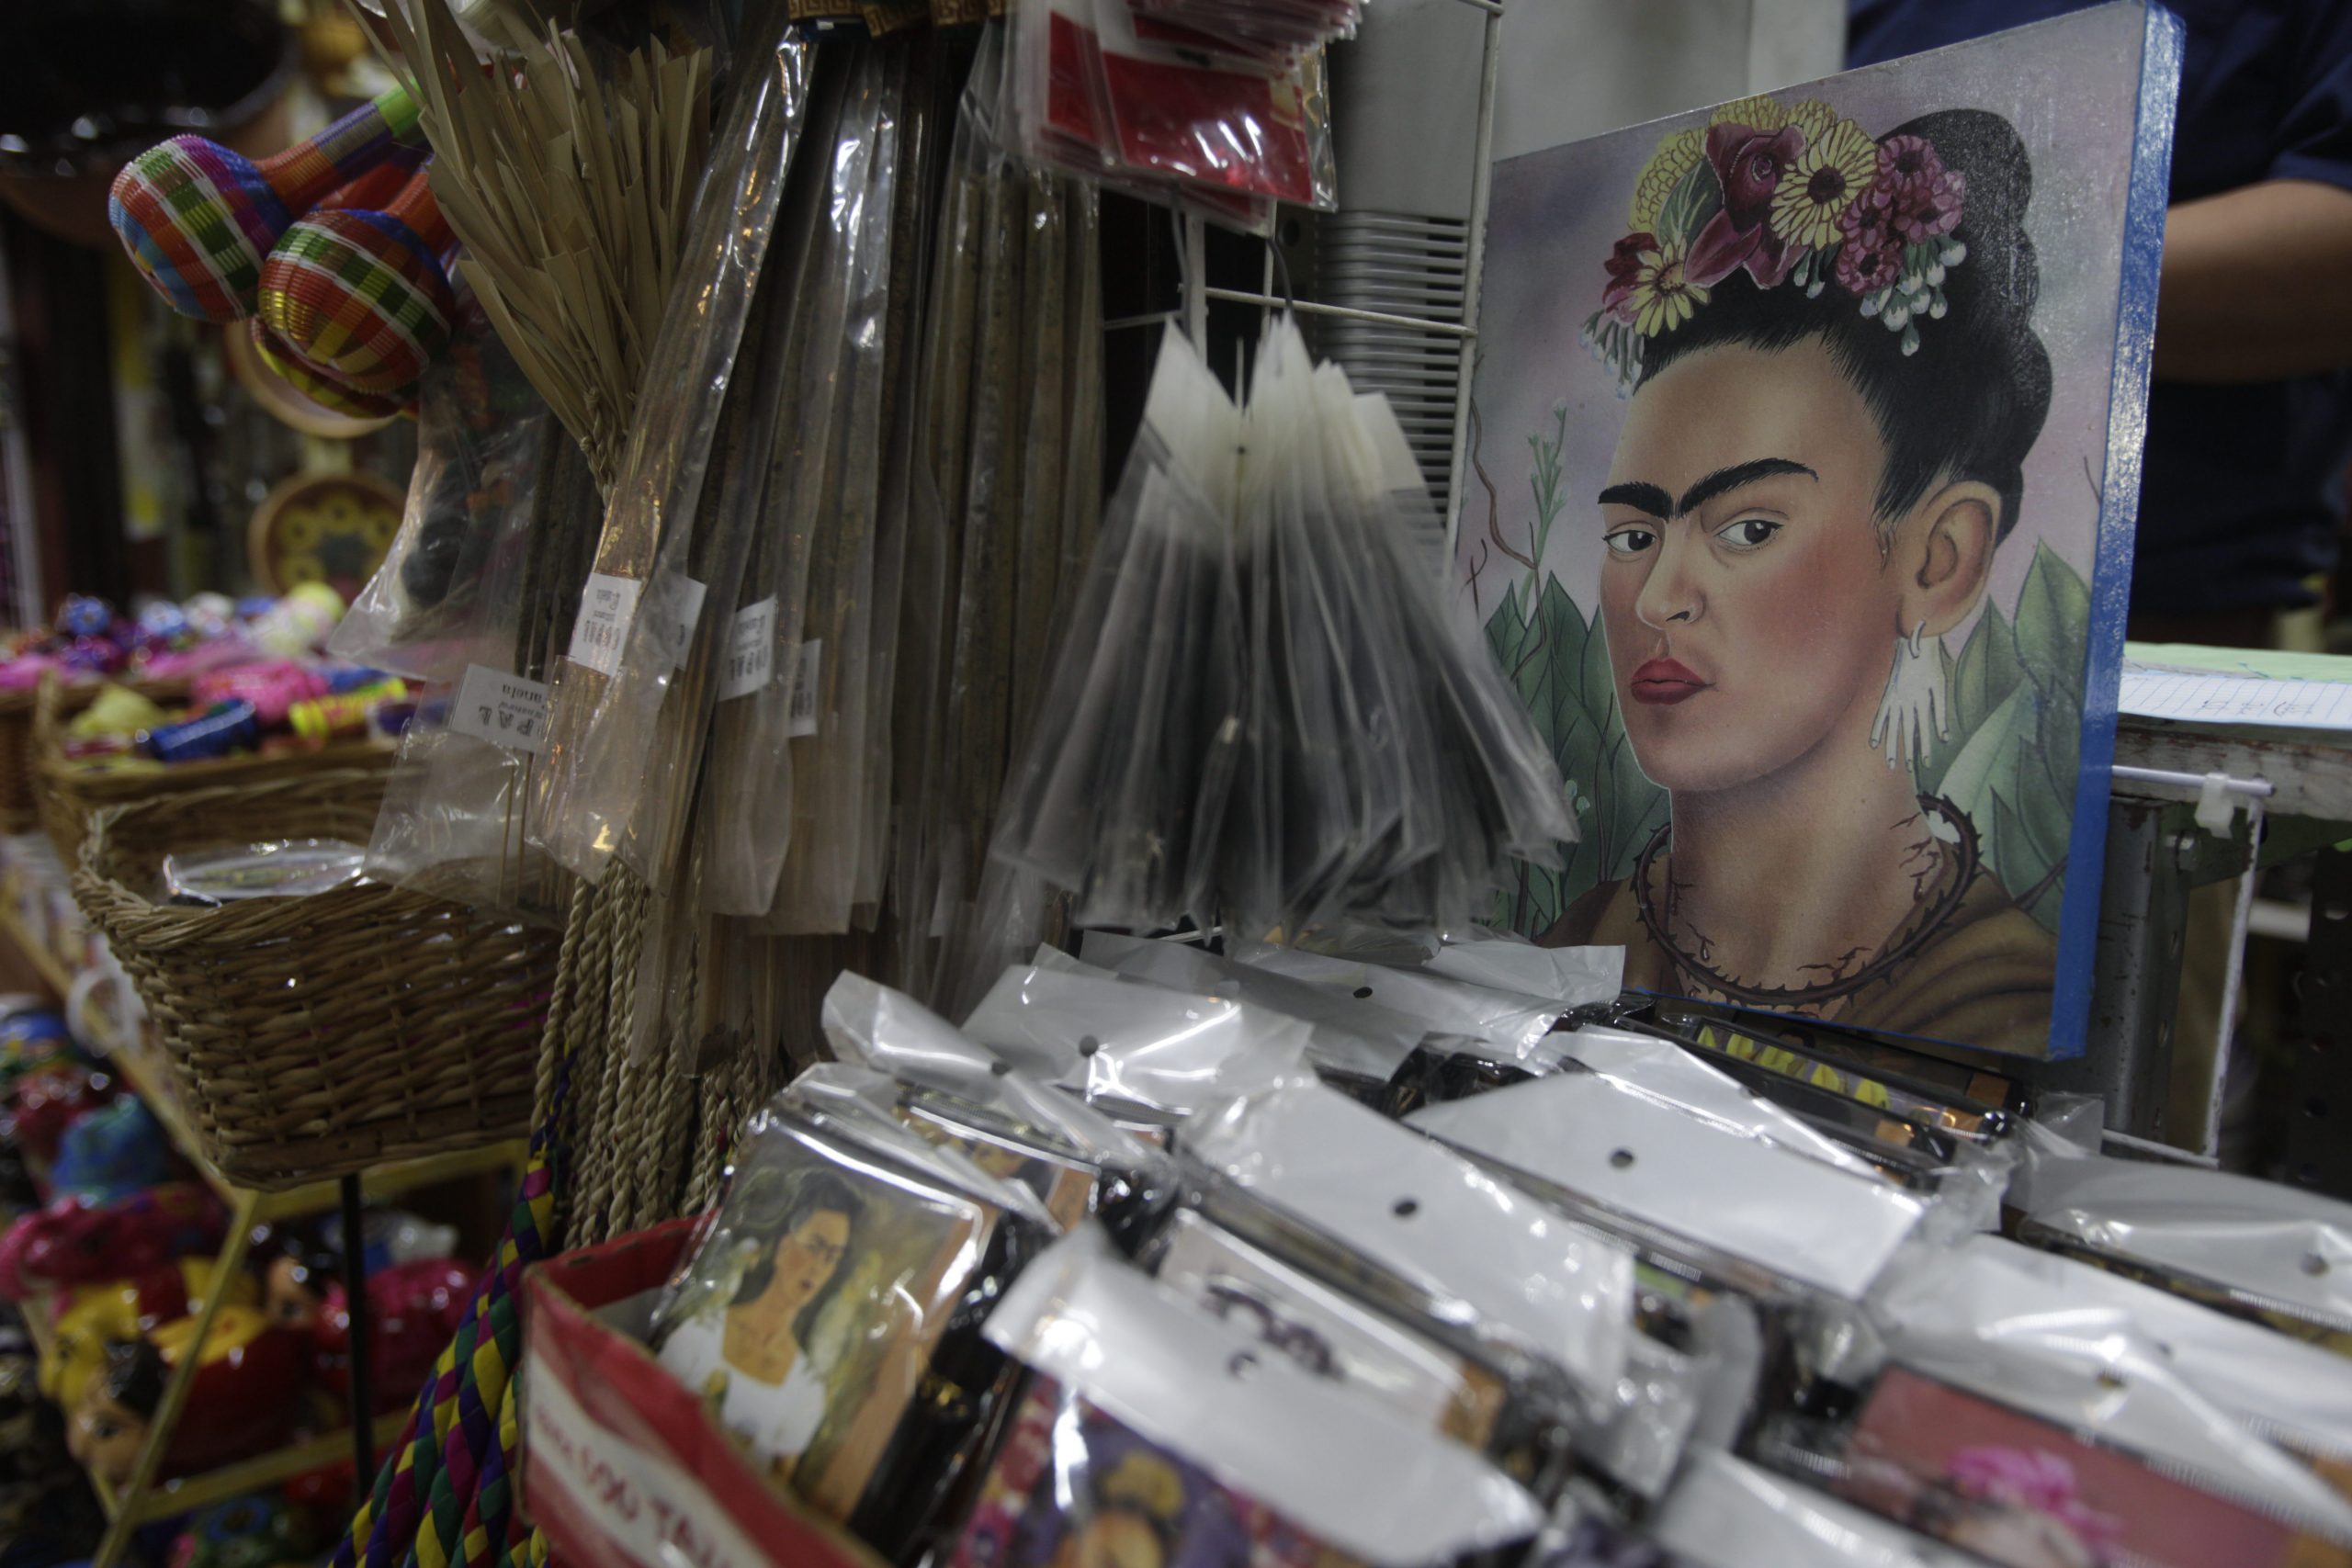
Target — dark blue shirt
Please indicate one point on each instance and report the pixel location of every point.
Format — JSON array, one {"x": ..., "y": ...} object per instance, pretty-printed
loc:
[{"x": 2240, "y": 496}]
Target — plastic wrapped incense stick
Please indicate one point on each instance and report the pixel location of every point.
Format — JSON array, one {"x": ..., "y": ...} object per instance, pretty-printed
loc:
[
  {"x": 692, "y": 360},
  {"x": 777, "y": 697}
]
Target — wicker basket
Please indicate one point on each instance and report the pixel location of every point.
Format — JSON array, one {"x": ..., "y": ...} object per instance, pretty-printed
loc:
[
  {"x": 66, "y": 795},
  {"x": 18, "y": 812},
  {"x": 310, "y": 1037}
]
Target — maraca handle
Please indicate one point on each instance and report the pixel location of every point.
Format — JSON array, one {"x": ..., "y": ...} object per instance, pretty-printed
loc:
[
  {"x": 415, "y": 206},
  {"x": 306, "y": 172},
  {"x": 379, "y": 187}
]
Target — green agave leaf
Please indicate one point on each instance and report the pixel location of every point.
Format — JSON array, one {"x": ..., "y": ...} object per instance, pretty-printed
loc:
[
  {"x": 2053, "y": 621},
  {"x": 1506, "y": 629},
  {"x": 1696, "y": 198},
  {"x": 2003, "y": 670},
  {"x": 1989, "y": 758}
]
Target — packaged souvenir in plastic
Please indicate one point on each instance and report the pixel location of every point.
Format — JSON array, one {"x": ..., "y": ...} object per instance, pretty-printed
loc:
[
  {"x": 952, "y": 1090},
  {"x": 1988, "y": 1299},
  {"x": 1137, "y": 1047},
  {"x": 1511, "y": 1022},
  {"x": 1473, "y": 1251},
  {"x": 1726, "y": 1512},
  {"x": 2013, "y": 1488},
  {"x": 1152, "y": 1432},
  {"x": 831, "y": 1315},
  {"x": 1348, "y": 1034},
  {"x": 2257, "y": 1249},
  {"x": 1652, "y": 1173}
]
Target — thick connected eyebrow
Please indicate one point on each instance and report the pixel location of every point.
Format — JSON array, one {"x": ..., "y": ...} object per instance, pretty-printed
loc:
[{"x": 1654, "y": 502}]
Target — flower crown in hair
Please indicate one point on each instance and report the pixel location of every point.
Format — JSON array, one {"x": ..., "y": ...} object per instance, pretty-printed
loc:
[{"x": 1799, "y": 197}]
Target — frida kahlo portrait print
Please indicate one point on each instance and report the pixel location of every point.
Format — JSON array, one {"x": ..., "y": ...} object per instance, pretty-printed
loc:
[{"x": 1802, "y": 458}]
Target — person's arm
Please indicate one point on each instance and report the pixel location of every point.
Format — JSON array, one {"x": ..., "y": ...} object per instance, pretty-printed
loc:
[{"x": 2257, "y": 284}]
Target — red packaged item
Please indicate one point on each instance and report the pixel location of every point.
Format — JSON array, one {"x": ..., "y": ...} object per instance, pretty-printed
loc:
[{"x": 623, "y": 1465}]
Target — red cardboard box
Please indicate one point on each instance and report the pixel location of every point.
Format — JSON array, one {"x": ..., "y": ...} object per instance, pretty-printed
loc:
[{"x": 622, "y": 1466}]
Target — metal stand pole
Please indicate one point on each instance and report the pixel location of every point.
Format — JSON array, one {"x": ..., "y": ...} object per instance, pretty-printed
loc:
[{"x": 355, "y": 1286}]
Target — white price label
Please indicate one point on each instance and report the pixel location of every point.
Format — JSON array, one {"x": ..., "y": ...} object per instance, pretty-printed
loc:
[
  {"x": 681, "y": 612},
  {"x": 505, "y": 710},
  {"x": 751, "y": 650},
  {"x": 804, "y": 693},
  {"x": 606, "y": 606}
]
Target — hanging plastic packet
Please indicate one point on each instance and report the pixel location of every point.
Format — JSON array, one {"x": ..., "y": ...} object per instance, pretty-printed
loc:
[
  {"x": 1467, "y": 1243},
  {"x": 1149, "y": 1426},
  {"x": 1116, "y": 793},
  {"x": 1631, "y": 1164},
  {"x": 1076, "y": 1158},
  {"x": 451, "y": 590},
  {"x": 1990, "y": 1300},
  {"x": 768, "y": 681},
  {"x": 458, "y": 812},
  {"x": 1726, "y": 1512},
  {"x": 1163, "y": 1054},
  {"x": 2256, "y": 1249},
  {"x": 831, "y": 753},
  {"x": 2001, "y": 1481},
  {"x": 692, "y": 361},
  {"x": 1359, "y": 1040},
  {"x": 831, "y": 1315}
]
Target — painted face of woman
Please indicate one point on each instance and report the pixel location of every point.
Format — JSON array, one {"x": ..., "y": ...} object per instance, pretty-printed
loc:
[
  {"x": 1748, "y": 607},
  {"x": 807, "y": 1257}
]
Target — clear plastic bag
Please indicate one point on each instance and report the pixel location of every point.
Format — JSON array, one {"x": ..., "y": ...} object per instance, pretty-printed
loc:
[
  {"x": 1139, "y": 1047},
  {"x": 1990, "y": 1300},
  {"x": 1513, "y": 1024},
  {"x": 833, "y": 1312},
  {"x": 2254, "y": 1248},
  {"x": 1620, "y": 1154},
  {"x": 447, "y": 594},
  {"x": 584, "y": 810},
  {"x": 1206, "y": 1433},
  {"x": 1479, "y": 1251},
  {"x": 1350, "y": 1037},
  {"x": 457, "y": 820},
  {"x": 1725, "y": 1513}
]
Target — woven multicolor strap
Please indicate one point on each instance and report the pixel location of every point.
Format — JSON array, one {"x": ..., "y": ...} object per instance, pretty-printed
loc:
[
  {"x": 362, "y": 294},
  {"x": 434, "y": 1505},
  {"x": 198, "y": 218}
]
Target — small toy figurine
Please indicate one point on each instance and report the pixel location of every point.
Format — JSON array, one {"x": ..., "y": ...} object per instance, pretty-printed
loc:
[
  {"x": 414, "y": 1308},
  {"x": 75, "y": 1243},
  {"x": 258, "y": 1531},
  {"x": 112, "y": 1152},
  {"x": 242, "y": 1402},
  {"x": 42, "y": 1102},
  {"x": 99, "y": 1315}
]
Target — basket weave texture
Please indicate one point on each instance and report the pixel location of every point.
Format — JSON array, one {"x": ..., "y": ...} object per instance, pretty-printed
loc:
[
  {"x": 310, "y": 1037},
  {"x": 66, "y": 795}
]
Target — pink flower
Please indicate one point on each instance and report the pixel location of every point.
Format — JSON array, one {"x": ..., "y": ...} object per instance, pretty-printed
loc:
[
  {"x": 1869, "y": 256},
  {"x": 1919, "y": 195},
  {"x": 1624, "y": 265},
  {"x": 2043, "y": 1482},
  {"x": 1748, "y": 165}
]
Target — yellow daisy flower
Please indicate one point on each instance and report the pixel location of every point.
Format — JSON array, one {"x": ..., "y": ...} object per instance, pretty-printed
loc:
[
  {"x": 1763, "y": 113},
  {"x": 1663, "y": 298},
  {"x": 1676, "y": 156},
  {"x": 1834, "y": 168},
  {"x": 1814, "y": 118}
]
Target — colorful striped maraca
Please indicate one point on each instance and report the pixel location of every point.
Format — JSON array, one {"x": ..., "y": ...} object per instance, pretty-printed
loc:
[
  {"x": 197, "y": 219},
  {"x": 362, "y": 295},
  {"x": 321, "y": 387}
]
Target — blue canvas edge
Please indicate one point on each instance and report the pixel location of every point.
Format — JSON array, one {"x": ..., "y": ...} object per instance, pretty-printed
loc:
[{"x": 2126, "y": 428}]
